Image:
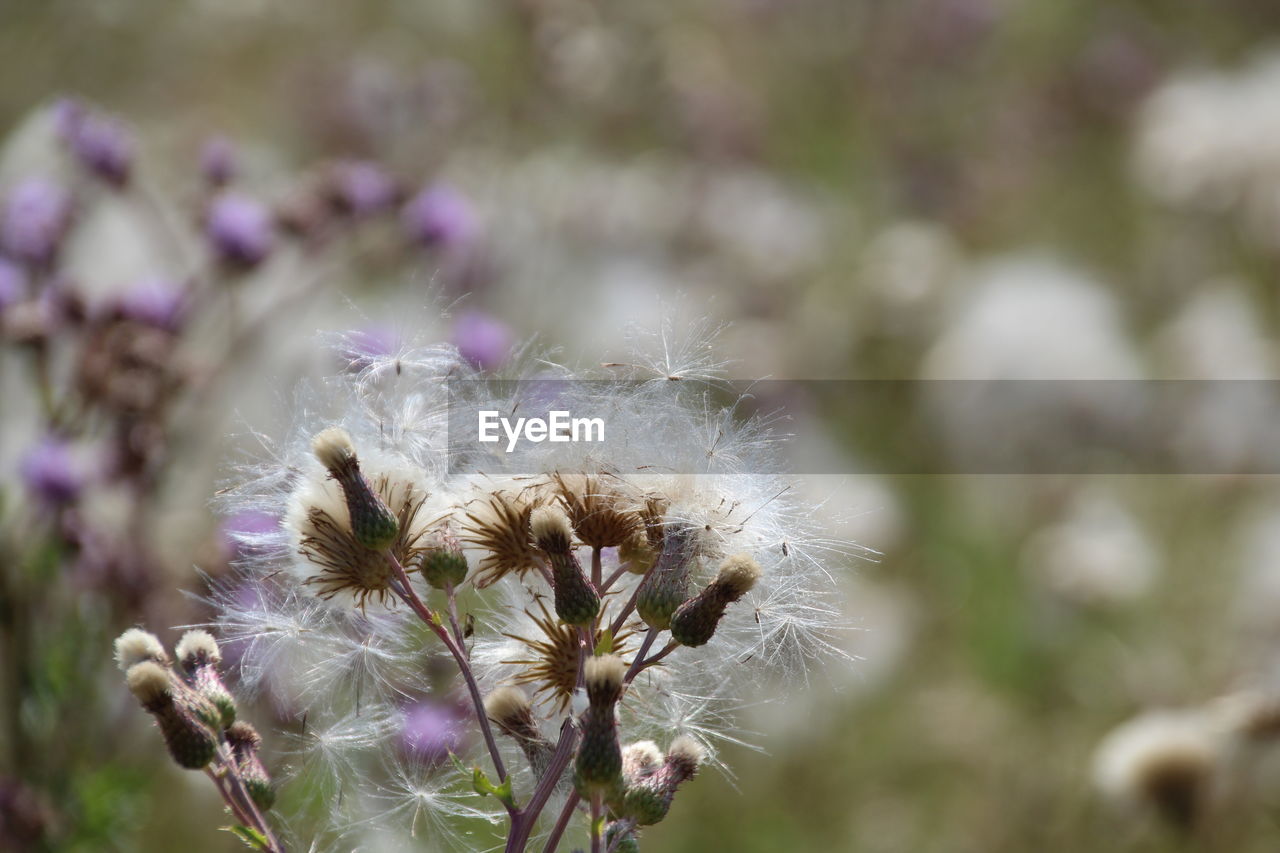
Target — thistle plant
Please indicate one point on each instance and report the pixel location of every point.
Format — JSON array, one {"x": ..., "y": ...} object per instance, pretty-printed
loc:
[{"x": 580, "y": 611}]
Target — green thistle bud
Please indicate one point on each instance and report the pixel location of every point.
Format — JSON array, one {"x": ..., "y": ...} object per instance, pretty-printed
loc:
[
  {"x": 179, "y": 712},
  {"x": 198, "y": 655},
  {"x": 598, "y": 769},
  {"x": 666, "y": 586},
  {"x": 696, "y": 620},
  {"x": 576, "y": 600},
  {"x": 620, "y": 837},
  {"x": 245, "y": 742},
  {"x": 443, "y": 567},
  {"x": 647, "y": 798},
  {"x": 373, "y": 524}
]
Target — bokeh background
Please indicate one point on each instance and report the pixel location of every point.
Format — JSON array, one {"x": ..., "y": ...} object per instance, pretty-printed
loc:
[{"x": 919, "y": 189}]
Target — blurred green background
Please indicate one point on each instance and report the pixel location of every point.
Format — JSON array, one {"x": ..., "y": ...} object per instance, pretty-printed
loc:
[{"x": 834, "y": 179}]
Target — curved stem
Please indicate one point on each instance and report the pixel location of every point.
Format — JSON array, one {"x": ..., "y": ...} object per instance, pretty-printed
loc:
[
  {"x": 562, "y": 823},
  {"x": 406, "y": 592}
]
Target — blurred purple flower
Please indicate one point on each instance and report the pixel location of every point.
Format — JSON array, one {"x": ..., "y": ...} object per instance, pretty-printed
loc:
[
  {"x": 13, "y": 284},
  {"x": 440, "y": 216},
  {"x": 240, "y": 229},
  {"x": 245, "y": 532},
  {"x": 430, "y": 731},
  {"x": 103, "y": 145},
  {"x": 362, "y": 347},
  {"x": 155, "y": 301},
  {"x": 36, "y": 216},
  {"x": 363, "y": 188},
  {"x": 482, "y": 339},
  {"x": 51, "y": 471},
  {"x": 218, "y": 161}
]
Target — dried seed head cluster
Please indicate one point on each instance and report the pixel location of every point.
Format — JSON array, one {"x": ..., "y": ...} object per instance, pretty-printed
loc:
[
  {"x": 196, "y": 715},
  {"x": 638, "y": 594}
]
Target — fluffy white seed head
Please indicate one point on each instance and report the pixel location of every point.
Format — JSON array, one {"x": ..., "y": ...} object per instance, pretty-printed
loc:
[
  {"x": 604, "y": 673},
  {"x": 507, "y": 705},
  {"x": 687, "y": 751},
  {"x": 135, "y": 646},
  {"x": 550, "y": 528},
  {"x": 739, "y": 573},
  {"x": 1166, "y": 760},
  {"x": 333, "y": 448},
  {"x": 149, "y": 681},
  {"x": 641, "y": 759},
  {"x": 198, "y": 646}
]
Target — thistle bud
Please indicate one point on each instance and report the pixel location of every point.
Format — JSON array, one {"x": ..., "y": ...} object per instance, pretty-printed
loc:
[
  {"x": 636, "y": 553},
  {"x": 598, "y": 770},
  {"x": 620, "y": 837},
  {"x": 695, "y": 622},
  {"x": 576, "y": 600},
  {"x": 373, "y": 524},
  {"x": 180, "y": 712},
  {"x": 666, "y": 586},
  {"x": 510, "y": 709},
  {"x": 445, "y": 566},
  {"x": 199, "y": 657},
  {"x": 640, "y": 760},
  {"x": 245, "y": 742},
  {"x": 647, "y": 799},
  {"x": 135, "y": 646}
]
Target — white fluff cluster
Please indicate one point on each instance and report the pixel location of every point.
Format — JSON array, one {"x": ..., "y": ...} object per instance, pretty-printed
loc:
[
  {"x": 1208, "y": 140},
  {"x": 343, "y": 670}
]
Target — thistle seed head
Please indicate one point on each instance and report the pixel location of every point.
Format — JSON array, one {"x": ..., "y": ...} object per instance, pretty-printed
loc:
[
  {"x": 334, "y": 449},
  {"x": 151, "y": 684},
  {"x": 738, "y": 574},
  {"x": 551, "y": 531},
  {"x": 597, "y": 512},
  {"x": 135, "y": 646},
  {"x": 336, "y": 563},
  {"x": 197, "y": 649},
  {"x": 640, "y": 759},
  {"x": 695, "y": 621},
  {"x": 499, "y": 524},
  {"x": 684, "y": 757},
  {"x": 373, "y": 524},
  {"x": 510, "y": 708},
  {"x": 603, "y": 676}
]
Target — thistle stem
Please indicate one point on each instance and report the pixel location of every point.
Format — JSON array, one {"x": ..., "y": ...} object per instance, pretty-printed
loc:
[
  {"x": 595, "y": 823},
  {"x": 522, "y": 822},
  {"x": 638, "y": 663},
  {"x": 597, "y": 571},
  {"x": 405, "y": 590},
  {"x": 562, "y": 823},
  {"x": 613, "y": 578}
]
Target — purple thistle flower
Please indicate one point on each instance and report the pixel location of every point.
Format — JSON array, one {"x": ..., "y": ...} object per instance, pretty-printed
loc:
[
  {"x": 429, "y": 731},
  {"x": 51, "y": 472},
  {"x": 240, "y": 229},
  {"x": 155, "y": 301},
  {"x": 363, "y": 188},
  {"x": 218, "y": 161},
  {"x": 440, "y": 216},
  {"x": 36, "y": 216},
  {"x": 13, "y": 284},
  {"x": 103, "y": 145},
  {"x": 482, "y": 339}
]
